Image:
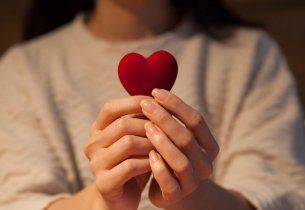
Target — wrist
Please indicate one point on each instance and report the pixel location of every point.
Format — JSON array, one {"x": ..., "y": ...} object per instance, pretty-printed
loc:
[
  {"x": 87, "y": 199},
  {"x": 98, "y": 203},
  {"x": 209, "y": 195}
]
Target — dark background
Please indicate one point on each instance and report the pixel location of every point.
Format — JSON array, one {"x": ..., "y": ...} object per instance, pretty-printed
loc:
[{"x": 283, "y": 19}]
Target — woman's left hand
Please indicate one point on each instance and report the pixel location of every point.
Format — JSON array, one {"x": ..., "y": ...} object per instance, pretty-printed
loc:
[{"x": 185, "y": 153}]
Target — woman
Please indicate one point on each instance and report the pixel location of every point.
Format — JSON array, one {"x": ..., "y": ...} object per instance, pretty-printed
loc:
[{"x": 233, "y": 82}]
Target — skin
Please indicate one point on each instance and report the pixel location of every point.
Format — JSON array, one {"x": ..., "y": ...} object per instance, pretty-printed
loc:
[
  {"x": 121, "y": 157},
  {"x": 124, "y": 151},
  {"x": 134, "y": 19},
  {"x": 118, "y": 153}
]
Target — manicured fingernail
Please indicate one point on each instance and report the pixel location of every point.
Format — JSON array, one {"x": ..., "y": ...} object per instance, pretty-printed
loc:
[
  {"x": 151, "y": 129},
  {"x": 160, "y": 94},
  {"x": 148, "y": 106},
  {"x": 153, "y": 156}
]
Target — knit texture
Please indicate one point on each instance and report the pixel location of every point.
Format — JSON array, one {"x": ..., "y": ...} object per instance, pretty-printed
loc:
[{"x": 52, "y": 89}]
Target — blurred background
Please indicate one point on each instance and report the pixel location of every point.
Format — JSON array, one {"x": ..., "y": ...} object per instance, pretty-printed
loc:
[{"x": 283, "y": 19}]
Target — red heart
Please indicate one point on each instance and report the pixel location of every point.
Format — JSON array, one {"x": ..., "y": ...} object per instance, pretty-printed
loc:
[{"x": 139, "y": 76}]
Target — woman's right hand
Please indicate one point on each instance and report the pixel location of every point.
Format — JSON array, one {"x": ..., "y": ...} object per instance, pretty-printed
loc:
[{"x": 118, "y": 153}]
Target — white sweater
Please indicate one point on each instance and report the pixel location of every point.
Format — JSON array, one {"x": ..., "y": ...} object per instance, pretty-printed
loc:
[{"x": 52, "y": 89}]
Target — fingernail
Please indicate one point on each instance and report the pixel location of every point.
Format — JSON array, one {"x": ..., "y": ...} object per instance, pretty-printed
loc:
[
  {"x": 148, "y": 106},
  {"x": 153, "y": 156},
  {"x": 151, "y": 129},
  {"x": 160, "y": 94}
]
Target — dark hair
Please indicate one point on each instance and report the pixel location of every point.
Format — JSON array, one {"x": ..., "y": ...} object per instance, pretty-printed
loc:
[{"x": 47, "y": 15}]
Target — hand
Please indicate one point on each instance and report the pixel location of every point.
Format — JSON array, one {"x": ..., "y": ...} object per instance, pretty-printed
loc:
[
  {"x": 118, "y": 153},
  {"x": 188, "y": 152}
]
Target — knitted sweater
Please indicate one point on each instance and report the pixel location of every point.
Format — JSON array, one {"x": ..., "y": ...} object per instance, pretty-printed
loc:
[{"x": 52, "y": 89}]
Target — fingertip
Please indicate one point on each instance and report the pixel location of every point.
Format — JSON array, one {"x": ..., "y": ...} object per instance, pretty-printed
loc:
[
  {"x": 146, "y": 124},
  {"x": 160, "y": 95},
  {"x": 153, "y": 156},
  {"x": 151, "y": 129}
]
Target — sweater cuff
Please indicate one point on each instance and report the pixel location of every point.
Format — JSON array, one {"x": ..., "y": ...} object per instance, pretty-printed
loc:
[
  {"x": 37, "y": 202},
  {"x": 266, "y": 195}
]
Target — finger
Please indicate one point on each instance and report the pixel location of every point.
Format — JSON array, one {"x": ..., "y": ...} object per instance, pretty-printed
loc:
[
  {"x": 124, "y": 148},
  {"x": 180, "y": 136},
  {"x": 168, "y": 184},
  {"x": 116, "y": 130},
  {"x": 141, "y": 115},
  {"x": 122, "y": 127},
  {"x": 106, "y": 181},
  {"x": 190, "y": 117},
  {"x": 177, "y": 161},
  {"x": 117, "y": 108}
]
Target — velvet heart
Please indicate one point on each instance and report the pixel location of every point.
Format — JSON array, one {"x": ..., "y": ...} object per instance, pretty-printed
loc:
[{"x": 139, "y": 76}]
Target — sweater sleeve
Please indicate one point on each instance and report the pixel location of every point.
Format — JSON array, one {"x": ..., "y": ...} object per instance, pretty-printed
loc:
[
  {"x": 31, "y": 176},
  {"x": 264, "y": 156}
]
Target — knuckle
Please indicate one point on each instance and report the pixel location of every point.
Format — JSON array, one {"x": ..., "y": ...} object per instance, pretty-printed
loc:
[
  {"x": 183, "y": 166},
  {"x": 207, "y": 171},
  {"x": 171, "y": 191},
  {"x": 128, "y": 142},
  {"x": 192, "y": 187},
  {"x": 187, "y": 141},
  {"x": 128, "y": 166},
  {"x": 108, "y": 107},
  {"x": 196, "y": 120},
  {"x": 121, "y": 125},
  {"x": 88, "y": 148},
  {"x": 91, "y": 131},
  {"x": 215, "y": 151},
  {"x": 94, "y": 165},
  {"x": 91, "y": 144}
]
